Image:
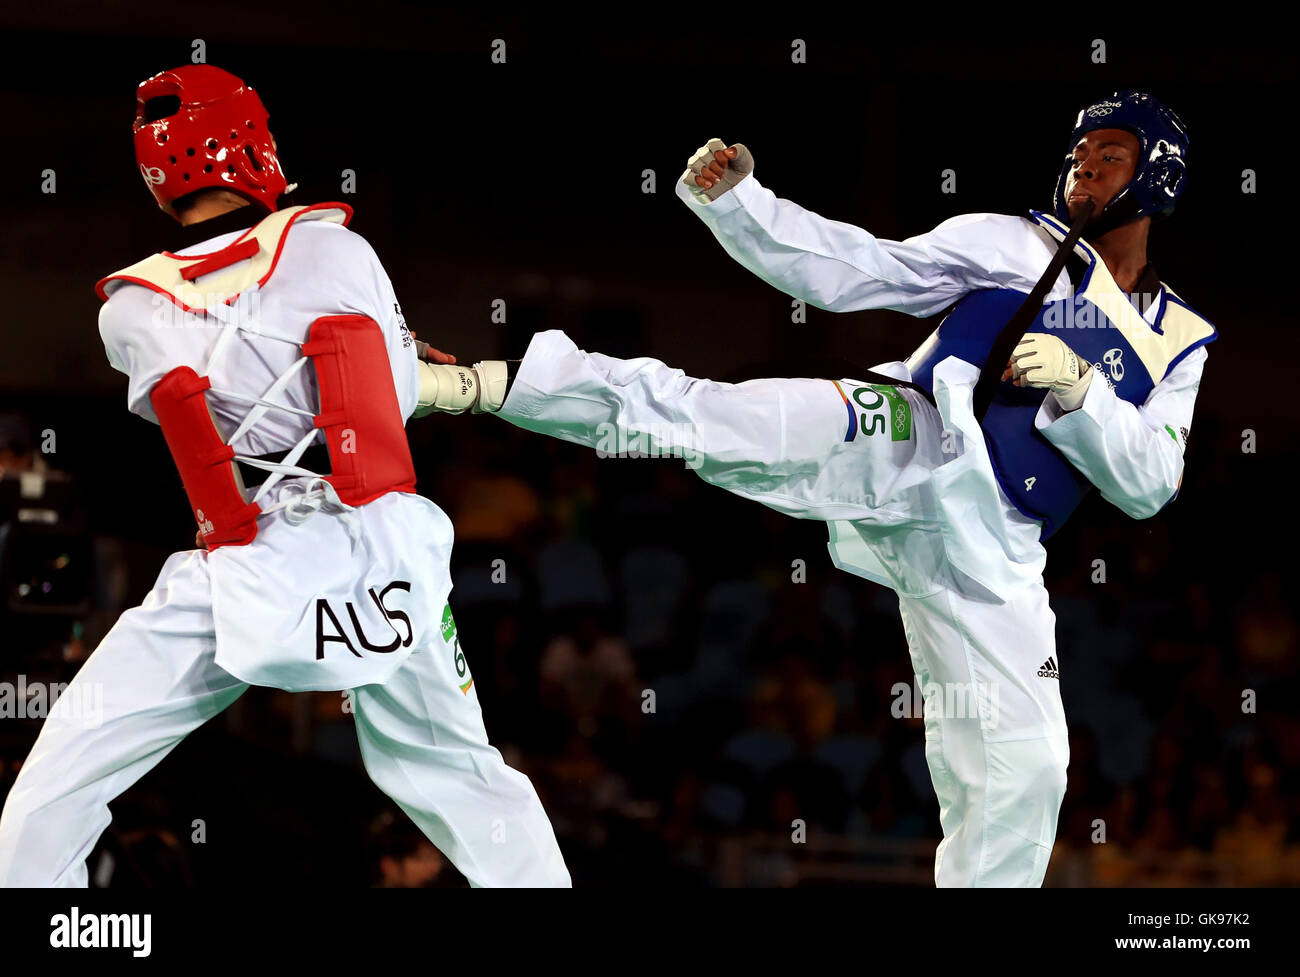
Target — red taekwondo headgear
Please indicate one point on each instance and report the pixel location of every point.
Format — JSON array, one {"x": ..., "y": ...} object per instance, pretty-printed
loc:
[{"x": 197, "y": 126}]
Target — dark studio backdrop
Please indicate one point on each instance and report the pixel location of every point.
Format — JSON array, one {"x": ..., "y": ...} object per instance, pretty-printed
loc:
[{"x": 525, "y": 182}]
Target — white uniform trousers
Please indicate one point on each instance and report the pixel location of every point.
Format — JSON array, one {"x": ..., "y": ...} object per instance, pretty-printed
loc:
[
  {"x": 421, "y": 735},
  {"x": 995, "y": 730}
]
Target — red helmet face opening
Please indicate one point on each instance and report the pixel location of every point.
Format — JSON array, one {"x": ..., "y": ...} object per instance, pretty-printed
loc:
[{"x": 197, "y": 127}]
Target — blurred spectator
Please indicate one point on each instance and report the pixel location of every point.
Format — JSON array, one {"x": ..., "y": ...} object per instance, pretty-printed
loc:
[
  {"x": 588, "y": 676},
  {"x": 401, "y": 857},
  {"x": 17, "y": 452}
]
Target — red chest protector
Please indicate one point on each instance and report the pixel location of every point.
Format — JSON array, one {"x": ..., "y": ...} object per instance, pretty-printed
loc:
[{"x": 359, "y": 410}]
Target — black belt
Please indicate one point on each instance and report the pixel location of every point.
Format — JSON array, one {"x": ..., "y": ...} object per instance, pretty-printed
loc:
[
  {"x": 822, "y": 367},
  {"x": 870, "y": 376},
  {"x": 316, "y": 458},
  {"x": 1014, "y": 330}
]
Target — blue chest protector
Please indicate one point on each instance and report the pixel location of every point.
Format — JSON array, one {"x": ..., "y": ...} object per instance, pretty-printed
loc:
[{"x": 1101, "y": 325}]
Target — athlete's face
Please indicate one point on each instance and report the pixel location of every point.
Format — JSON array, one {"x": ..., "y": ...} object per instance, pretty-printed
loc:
[{"x": 1104, "y": 161}]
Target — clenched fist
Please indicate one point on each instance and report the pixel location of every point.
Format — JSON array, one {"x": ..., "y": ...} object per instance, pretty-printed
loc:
[{"x": 716, "y": 168}]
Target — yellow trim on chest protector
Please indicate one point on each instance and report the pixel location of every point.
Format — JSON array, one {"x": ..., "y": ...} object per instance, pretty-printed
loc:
[
  {"x": 163, "y": 270},
  {"x": 1180, "y": 327}
]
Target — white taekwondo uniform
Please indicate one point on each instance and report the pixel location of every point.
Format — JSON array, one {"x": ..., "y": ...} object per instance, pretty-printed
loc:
[
  {"x": 218, "y": 621},
  {"x": 910, "y": 492}
]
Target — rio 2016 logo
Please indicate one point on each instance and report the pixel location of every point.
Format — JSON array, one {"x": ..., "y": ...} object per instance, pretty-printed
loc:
[
  {"x": 1113, "y": 359},
  {"x": 896, "y": 419},
  {"x": 1103, "y": 108},
  {"x": 449, "y": 635}
]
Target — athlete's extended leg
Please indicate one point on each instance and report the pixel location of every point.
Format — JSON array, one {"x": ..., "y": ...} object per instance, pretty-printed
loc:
[
  {"x": 424, "y": 744},
  {"x": 148, "y": 685},
  {"x": 862, "y": 454},
  {"x": 815, "y": 449}
]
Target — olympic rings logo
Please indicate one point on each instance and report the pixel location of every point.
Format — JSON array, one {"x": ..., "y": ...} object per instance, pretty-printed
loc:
[{"x": 1103, "y": 108}]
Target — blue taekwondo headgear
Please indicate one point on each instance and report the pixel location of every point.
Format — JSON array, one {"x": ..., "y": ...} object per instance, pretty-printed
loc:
[{"x": 1161, "y": 171}]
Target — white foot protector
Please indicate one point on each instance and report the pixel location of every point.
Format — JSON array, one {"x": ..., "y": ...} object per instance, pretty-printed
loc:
[
  {"x": 456, "y": 389},
  {"x": 451, "y": 389}
]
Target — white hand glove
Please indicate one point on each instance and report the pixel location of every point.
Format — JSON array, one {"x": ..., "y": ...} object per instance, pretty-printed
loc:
[
  {"x": 736, "y": 170},
  {"x": 1040, "y": 360}
]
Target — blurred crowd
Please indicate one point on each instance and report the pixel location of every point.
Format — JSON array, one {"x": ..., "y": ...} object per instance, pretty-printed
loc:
[{"x": 701, "y": 699}]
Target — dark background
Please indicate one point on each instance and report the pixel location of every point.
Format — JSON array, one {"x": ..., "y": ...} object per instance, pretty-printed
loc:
[{"x": 477, "y": 181}]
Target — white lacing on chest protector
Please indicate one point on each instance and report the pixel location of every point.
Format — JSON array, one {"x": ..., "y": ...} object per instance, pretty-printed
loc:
[{"x": 312, "y": 495}]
